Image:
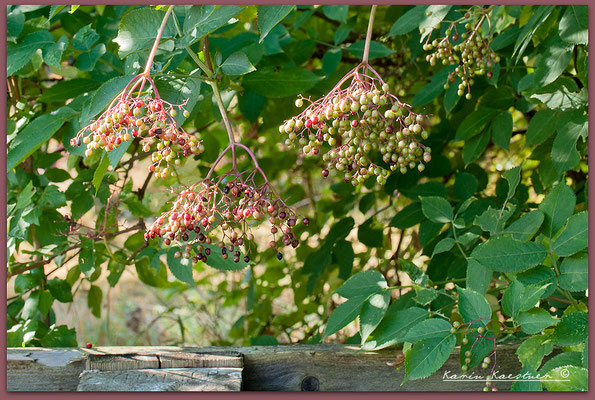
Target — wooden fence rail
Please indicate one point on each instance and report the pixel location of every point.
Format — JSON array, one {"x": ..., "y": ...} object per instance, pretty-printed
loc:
[{"x": 265, "y": 368}]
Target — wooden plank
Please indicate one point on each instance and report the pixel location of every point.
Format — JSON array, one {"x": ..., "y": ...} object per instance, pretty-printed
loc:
[
  {"x": 168, "y": 379},
  {"x": 121, "y": 362},
  {"x": 43, "y": 369},
  {"x": 200, "y": 360},
  {"x": 296, "y": 367}
]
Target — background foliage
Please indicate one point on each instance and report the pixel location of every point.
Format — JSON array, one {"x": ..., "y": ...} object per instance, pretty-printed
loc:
[{"x": 494, "y": 230}]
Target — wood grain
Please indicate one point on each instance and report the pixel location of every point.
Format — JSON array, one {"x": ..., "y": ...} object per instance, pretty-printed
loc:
[{"x": 163, "y": 380}]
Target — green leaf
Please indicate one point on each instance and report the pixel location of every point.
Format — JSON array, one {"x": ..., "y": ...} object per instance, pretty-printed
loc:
[
  {"x": 204, "y": 20},
  {"x": 493, "y": 220},
  {"x": 219, "y": 263},
  {"x": 571, "y": 126},
  {"x": 35, "y": 134},
  {"x": 574, "y": 25},
  {"x": 478, "y": 277},
  {"x": 505, "y": 254},
  {"x": 87, "y": 258},
  {"x": 270, "y": 15},
  {"x": 427, "y": 356},
  {"x": 45, "y": 302},
  {"x": 52, "y": 55},
  {"x": 525, "y": 385},
  {"x": 567, "y": 378},
  {"x": 344, "y": 256},
  {"x": 444, "y": 245},
  {"x": 574, "y": 236},
  {"x": 340, "y": 230},
  {"x": 502, "y": 129},
  {"x": 474, "y": 123},
  {"x": 437, "y": 209},
  {"x": 416, "y": 274},
  {"x": 237, "y": 64},
  {"x": 557, "y": 206},
  {"x": 475, "y": 147},
  {"x": 566, "y": 358},
  {"x": 377, "y": 50},
  {"x": 372, "y": 312},
  {"x": 572, "y": 329},
  {"x": 137, "y": 208},
  {"x": 408, "y": 21},
  {"x": 428, "y": 329},
  {"x": 537, "y": 18},
  {"x": 363, "y": 283},
  {"x": 85, "y": 38},
  {"x": 433, "y": 89},
  {"x": 394, "y": 326},
  {"x": 408, "y": 216},
  {"x": 15, "y": 21},
  {"x": 535, "y": 320},
  {"x": 59, "y": 336},
  {"x": 513, "y": 176},
  {"x": 52, "y": 197},
  {"x": 344, "y": 314},
  {"x": 284, "y": 82},
  {"x": 17, "y": 55},
  {"x": 94, "y": 300},
  {"x": 433, "y": 16},
  {"x": 24, "y": 282},
  {"x": 60, "y": 289},
  {"x": 87, "y": 60},
  {"x": 465, "y": 185},
  {"x": 336, "y": 12},
  {"x": 533, "y": 349},
  {"x": 330, "y": 61},
  {"x": 55, "y": 9},
  {"x": 138, "y": 30},
  {"x": 574, "y": 273},
  {"x": 428, "y": 230},
  {"x": 368, "y": 235},
  {"x": 541, "y": 126},
  {"x": 100, "y": 172},
  {"x": 102, "y": 97},
  {"x": 81, "y": 204},
  {"x": 552, "y": 62},
  {"x": 525, "y": 227},
  {"x": 181, "y": 267},
  {"x": 474, "y": 307}
]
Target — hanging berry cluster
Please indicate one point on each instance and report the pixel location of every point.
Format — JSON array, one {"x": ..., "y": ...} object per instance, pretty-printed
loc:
[
  {"x": 470, "y": 50},
  {"x": 349, "y": 124},
  {"x": 143, "y": 116},
  {"x": 219, "y": 214}
]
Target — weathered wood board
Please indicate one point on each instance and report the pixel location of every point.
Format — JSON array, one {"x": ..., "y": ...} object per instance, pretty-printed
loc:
[
  {"x": 265, "y": 368},
  {"x": 162, "y": 380}
]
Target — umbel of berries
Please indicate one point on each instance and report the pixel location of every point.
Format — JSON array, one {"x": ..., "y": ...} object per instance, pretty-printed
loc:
[
  {"x": 218, "y": 215},
  {"x": 135, "y": 113},
  {"x": 469, "y": 49},
  {"x": 348, "y": 124}
]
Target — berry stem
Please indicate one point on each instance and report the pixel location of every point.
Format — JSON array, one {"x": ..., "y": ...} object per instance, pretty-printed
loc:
[
  {"x": 369, "y": 35},
  {"x": 157, "y": 39}
]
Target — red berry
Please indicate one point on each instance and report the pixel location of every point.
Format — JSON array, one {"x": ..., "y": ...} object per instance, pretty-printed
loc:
[
  {"x": 306, "y": 221},
  {"x": 151, "y": 168},
  {"x": 89, "y": 345},
  {"x": 314, "y": 120},
  {"x": 134, "y": 133},
  {"x": 489, "y": 74},
  {"x": 325, "y": 173},
  {"x": 308, "y": 124},
  {"x": 140, "y": 103}
]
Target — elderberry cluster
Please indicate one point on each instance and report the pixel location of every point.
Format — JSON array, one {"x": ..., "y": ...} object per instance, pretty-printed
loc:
[
  {"x": 351, "y": 124},
  {"x": 151, "y": 119},
  {"x": 217, "y": 215},
  {"x": 470, "y": 51}
]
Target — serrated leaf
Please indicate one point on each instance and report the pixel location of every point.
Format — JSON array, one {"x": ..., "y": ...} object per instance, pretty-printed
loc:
[
  {"x": 535, "y": 320},
  {"x": 237, "y": 64},
  {"x": 475, "y": 147},
  {"x": 557, "y": 207},
  {"x": 17, "y": 55},
  {"x": 478, "y": 276},
  {"x": 474, "y": 307},
  {"x": 284, "y": 82},
  {"x": 377, "y": 49},
  {"x": 573, "y": 237},
  {"x": 437, "y": 209},
  {"x": 344, "y": 314},
  {"x": 408, "y": 216},
  {"x": 428, "y": 329},
  {"x": 474, "y": 123},
  {"x": 94, "y": 298},
  {"x": 100, "y": 172},
  {"x": 525, "y": 227},
  {"x": 35, "y": 134},
  {"x": 574, "y": 24},
  {"x": 181, "y": 267},
  {"x": 427, "y": 356},
  {"x": 505, "y": 254},
  {"x": 541, "y": 126},
  {"x": 394, "y": 326},
  {"x": 270, "y": 15},
  {"x": 568, "y": 378},
  {"x": 442, "y": 246},
  {"x": 372, "y": 312},
  {"x": 574, "y": 273},
  {"x": 572, "y": 329},
  {"x": 60, "y": 289},
  {"x": 138, "y": 30},
  {"x": 363, "y": 283}
]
